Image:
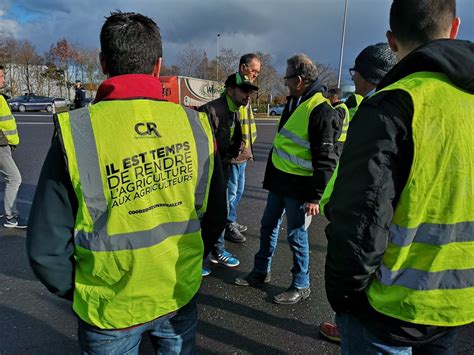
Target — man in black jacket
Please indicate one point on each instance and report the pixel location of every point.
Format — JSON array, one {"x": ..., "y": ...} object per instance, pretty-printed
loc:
[
  {"x": 294, "y": 185},
  {"x": 80, "y": 96},
  {"x": 225, "y": 115},
  {"x": 374, "y": 176}
]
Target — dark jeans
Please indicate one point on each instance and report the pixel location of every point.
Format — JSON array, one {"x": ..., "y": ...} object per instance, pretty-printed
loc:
[
  {"x": 356, "y": 338},
  {"x": 174, "y": 333}
]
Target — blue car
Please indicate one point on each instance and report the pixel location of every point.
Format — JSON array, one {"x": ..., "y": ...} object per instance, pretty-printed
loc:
[
  {"x": 31, "y": 102},
  {"x": 276, "y": 110}
]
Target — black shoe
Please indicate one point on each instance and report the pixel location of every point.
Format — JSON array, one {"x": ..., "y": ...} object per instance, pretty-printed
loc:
[
  {"x": 292, "y": 295},
  {"x": 14, "y": 222},
  {"x": 253, "y": 278},
  {"x": 240, "y": 227},
  {"x": 232, "y": 234}
]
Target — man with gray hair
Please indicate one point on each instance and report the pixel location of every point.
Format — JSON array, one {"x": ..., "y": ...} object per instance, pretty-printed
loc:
[{"x": 300, "y": 164}]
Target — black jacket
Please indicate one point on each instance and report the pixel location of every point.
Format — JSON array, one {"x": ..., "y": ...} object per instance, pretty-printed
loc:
[
  {"x": 324, "y": 128},
  {"x": 80, "y": 98},
  {"x": 223, "y": 121},
  {"x": 373, "y": 171},
  {"x": 50, "y": 234}
]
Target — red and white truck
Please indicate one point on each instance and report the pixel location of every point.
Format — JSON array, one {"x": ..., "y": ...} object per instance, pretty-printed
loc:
[{"x": 190, "y": 92}]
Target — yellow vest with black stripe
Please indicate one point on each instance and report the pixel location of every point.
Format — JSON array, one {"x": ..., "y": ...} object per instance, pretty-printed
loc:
[
  {"x": 427, "y": 272},
  {"x": 249, "y": 128},
  {"x": 141, "y": 171},
  {"x": 291, "y": 148},
  {"x": 8, "y": 123},
  {"x": 345, "y": 123}
]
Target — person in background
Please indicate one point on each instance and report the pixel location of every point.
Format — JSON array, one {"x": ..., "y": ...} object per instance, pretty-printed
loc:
[
  {"x": 334, "y": 96},
  {"x": 249, "y": 67},
  {"x": 9, "y": 139},
  {"x": 225, "y": 113},
  {"x": 300, "y": 163},
  {"x": 120, "y": 228},
  {"x": 80, "y": 95},
  {"x": 399, "y": 263}
]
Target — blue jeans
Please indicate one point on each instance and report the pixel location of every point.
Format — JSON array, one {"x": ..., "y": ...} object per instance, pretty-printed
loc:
[
  {"x": 357, "y": 339},
  {"x": 174, "y": 333},
  {"x": 297, "y": 237},
  {"x": 235, "y": 189}
]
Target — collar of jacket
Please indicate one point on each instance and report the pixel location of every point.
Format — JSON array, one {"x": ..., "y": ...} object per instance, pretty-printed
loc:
[
  {"x": 232, "y": 107},
  {"x": 130, "y": 86}
]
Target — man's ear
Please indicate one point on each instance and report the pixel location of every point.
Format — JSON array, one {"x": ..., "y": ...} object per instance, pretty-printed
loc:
[
  {"x": 103, "y": 65},
  {"x": 157, "y": 68},
  {"x": 455, "y": 28},
  {"x": 392, "y": 42}
]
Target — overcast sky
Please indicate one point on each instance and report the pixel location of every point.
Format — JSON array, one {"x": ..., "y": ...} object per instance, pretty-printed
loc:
[{"x": 281, "y": 28}]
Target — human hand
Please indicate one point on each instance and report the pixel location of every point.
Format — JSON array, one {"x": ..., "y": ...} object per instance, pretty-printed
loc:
[{"x": 311, "y": 209}]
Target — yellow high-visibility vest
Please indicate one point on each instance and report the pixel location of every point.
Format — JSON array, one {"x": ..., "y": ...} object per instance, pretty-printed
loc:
[
  {"x": 291, "y": 147},
  {"x": 141, "y": 171},
  {"x": 8, "y": 123},
  {"x": 427, "y": 272}
]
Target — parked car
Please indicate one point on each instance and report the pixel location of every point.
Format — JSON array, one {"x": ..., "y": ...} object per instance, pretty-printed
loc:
[
  {"x": 276, "y": 110},
  {"x": 31, "y": 102},
  {"x": 60, "y": 102}
]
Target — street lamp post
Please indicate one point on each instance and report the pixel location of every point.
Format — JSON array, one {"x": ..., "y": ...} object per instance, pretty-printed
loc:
[
  {"x": 217, "y": 57},
  {"x": 342, "y": 44}
]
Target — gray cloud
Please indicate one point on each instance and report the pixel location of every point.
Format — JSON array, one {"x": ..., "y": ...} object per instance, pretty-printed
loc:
[{"x": 278, "y": 27}]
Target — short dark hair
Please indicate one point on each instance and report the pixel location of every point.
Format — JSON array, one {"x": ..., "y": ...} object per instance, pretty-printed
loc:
[
  {"x": 247, "y": 58},
  {"x": 420, "y": 21},
  {"x": 2, "y": 67},
  {"x": 130, "y": 43},
  {"x": 334, "y": 92}
]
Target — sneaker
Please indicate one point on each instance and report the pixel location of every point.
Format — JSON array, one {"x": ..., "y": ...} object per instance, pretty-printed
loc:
[
  {"x": 226, "y": 259},
  {"x": 330, "y": 331},
  {"x": 14, "y": 222},
  {"x": 205, "y": 272},
  {"x": 253, "y": 278},
  {"x": 232, "y": 234},
  {"x": 240, "y": 227}
]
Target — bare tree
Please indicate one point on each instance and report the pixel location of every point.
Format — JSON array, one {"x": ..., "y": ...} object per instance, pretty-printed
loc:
[
  {"x": 28, "y": 61},
  {"x": 327, "y": 75},
  {"x": 88, "y": 69},
  {"x": 190, "y": 59},
  {"x": 172, "y": 70},
  {"x": 64, "y": 54}
]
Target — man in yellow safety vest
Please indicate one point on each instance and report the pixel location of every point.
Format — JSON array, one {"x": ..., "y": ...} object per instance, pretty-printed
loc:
[
  {"x": 399, "y": 267},
  {"x": 130, "y": 198}
]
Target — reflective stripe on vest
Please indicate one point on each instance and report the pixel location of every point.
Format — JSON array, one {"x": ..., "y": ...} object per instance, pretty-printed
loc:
[
  {"x": 291, "y": 147},
  {"x": 8, "y": 123},
  {"x": 139, "y": 250},
  {"x": 345, "y": 123},
  {"x": 247, "y": 122},
  {"x": 89, "y": 170},
  {"x": 427, "y": 272}
]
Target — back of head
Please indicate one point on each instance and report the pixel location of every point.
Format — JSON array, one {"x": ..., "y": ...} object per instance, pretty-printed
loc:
[
  {"x": 374, "y": 62},
  {"x": 130, "y": 44},
  {"x": 415, "y": 22},
  {"x": 334, "y": 92},
  {"x": 302, "y": 65}
]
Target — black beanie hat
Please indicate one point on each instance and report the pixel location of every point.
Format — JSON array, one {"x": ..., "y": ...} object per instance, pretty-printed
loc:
[{"x": 374, "y": 62}]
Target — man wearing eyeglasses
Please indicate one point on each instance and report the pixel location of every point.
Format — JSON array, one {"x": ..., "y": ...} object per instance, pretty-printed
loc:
[{"x": 300, "y": 164}]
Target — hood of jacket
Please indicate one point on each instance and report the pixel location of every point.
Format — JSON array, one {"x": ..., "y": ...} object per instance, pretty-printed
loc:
[{"x": 455, "y": 58}]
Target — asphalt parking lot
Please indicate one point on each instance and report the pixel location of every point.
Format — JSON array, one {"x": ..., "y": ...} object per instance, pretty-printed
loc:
[{"x": 232, "y": 319}]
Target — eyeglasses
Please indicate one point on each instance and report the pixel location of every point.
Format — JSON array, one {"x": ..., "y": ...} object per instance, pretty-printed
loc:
[
  {"x": 352, "y": 71},
  {"x": 290, "y": 76}
]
